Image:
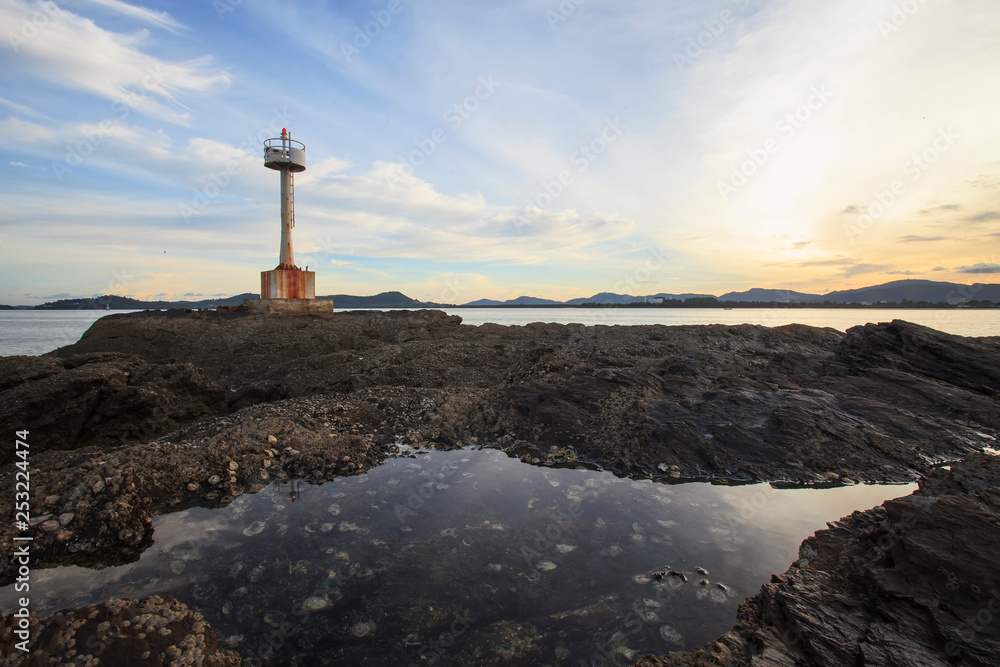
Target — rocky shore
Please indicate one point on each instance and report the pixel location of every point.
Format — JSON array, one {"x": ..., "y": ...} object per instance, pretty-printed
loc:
[
  {"x": 913, "y": 582},
  {"x": 154, "y": 412}
]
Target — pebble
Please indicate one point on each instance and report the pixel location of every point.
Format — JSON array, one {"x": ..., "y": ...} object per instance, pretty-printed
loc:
[
  {"x": 315, "y": 603},
  {"x": 363, "y": 629},
  {"x": 254, "y": 528},
  {"x": 670, "y": 634}
]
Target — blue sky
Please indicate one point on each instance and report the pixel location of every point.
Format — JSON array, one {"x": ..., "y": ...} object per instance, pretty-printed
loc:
[{"x": 460, "y": 151}]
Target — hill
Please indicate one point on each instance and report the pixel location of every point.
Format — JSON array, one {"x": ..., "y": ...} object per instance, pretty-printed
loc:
[
  {"x": 382, "y": 300},
  {"x": 519, "y": 301},
  {"x": 114, "y": 302}
]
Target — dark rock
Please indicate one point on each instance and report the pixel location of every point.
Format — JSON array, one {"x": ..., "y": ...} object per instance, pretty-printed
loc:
[
  {"x": 153, "y": 631},
  {"x": 792, "y": 403},
  {"x": 103, "y": 399},
  {"x": 913, "y": 582},
  {"x": 153, "y": 412}
]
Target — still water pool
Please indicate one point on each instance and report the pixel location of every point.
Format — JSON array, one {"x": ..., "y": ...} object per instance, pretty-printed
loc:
[{"x": 468, "y": 557}]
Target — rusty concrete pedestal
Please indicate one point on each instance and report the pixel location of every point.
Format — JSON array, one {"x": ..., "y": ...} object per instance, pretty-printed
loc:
[
  {"x": 287, "y": 283},
  {"x": 290, "y": 291}
]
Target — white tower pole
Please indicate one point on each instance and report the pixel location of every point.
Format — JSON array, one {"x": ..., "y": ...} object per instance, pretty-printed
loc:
[{"x": 286, "y": 255}]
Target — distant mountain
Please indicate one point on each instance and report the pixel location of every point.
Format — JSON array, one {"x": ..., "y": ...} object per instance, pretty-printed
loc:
[
  {"x": 609, "y": 298},
  {"x": 896, "y": 291},
  {"x": 484, "y": 302},
  {"x": 916, "y": 290},
  {"x": 519, "y": 301},
  {"x": 113, "y": 302},
  {"x": 606, "y": 297},
  {"x": 770, "y": 295},
  {"x": 681, "y": 297},
  {"x": 383, "y": 300}
]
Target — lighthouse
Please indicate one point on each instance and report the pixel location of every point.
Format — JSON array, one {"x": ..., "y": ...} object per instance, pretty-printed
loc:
[{"x": 287, "y": 288}]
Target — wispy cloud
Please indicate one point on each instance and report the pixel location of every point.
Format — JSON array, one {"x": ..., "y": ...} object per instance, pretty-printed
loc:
[
  {"x": 140, "y": 14},
  {"x": 20, "y": 108},
  {"x": 72, "y": 51},
  {"x": 985, "y": 216},
  {"x": 938, "y": 209},
  {"x": 910, "y": 238},
  {"x": 386, "y": 213},
  {"x": 982, "y": 267},
  {"x": 864, "y": 269}
]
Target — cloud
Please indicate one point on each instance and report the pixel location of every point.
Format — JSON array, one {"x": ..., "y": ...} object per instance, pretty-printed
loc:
[
  {"x": 140, "y": 14},
  {"x": 903, "y": 273},
  {"x": 919, "y": 239},
  {"x": 985, "y": 217},
  {"x": 387, "y": 212},
  {"x": 72, "y": 51},
  {"x": 945, "y": 207},
  {"x": 20, "y": 108},
  {"x": 823, "y": 262},
  {"x": 939, "y": 268},
  {"x": 982, "y": 267},
  {"x": 862, "y": 269}
]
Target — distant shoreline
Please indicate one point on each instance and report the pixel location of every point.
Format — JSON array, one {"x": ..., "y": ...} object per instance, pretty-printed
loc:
[
  {"x": 730, "y": 305},
  {"x": 722, "y": 305}
]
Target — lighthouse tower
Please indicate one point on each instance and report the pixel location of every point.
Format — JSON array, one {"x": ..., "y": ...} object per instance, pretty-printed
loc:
[{"x": 287, "y": 288}]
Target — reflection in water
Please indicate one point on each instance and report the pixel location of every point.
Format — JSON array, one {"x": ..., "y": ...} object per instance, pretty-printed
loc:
[{"x": 468, "y": 557}]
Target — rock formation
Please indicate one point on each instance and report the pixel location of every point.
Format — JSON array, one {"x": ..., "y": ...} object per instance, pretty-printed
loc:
[{"x": 152, "y": 412}]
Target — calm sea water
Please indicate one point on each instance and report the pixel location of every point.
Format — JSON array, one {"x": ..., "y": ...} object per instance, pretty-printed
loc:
[{"x": 37, "y": 332}]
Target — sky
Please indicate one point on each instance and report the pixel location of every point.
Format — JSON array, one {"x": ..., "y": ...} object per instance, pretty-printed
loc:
[{"x": 459, "y": 151}]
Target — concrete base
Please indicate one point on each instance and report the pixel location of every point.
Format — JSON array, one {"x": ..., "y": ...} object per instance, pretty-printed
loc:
[{"x": 289, "y": 306}]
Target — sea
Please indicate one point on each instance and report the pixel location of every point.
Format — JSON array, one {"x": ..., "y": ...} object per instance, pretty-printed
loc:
[{"x": 33, "y": 332}]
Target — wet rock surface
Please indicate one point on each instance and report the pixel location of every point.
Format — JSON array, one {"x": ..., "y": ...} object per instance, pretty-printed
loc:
[
  {"x": 154, "y": 631},
  {"x": 154, "y": 412},
  {"x": 913, "y": 582}
]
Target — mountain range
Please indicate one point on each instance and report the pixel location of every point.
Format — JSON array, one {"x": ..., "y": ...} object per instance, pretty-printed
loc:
[{"x": 898, "y": 291}]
